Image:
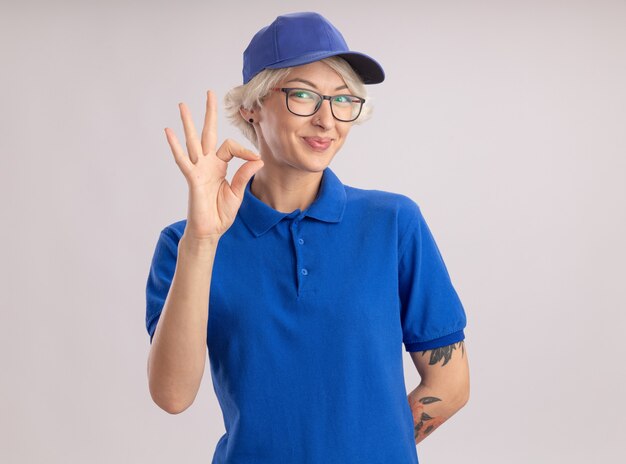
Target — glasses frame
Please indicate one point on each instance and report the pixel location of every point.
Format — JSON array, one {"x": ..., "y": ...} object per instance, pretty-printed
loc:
[{"x": 319, "y": 104}]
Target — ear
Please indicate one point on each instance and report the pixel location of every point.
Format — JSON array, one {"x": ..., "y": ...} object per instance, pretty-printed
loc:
[{"x": 248, "y": 114}]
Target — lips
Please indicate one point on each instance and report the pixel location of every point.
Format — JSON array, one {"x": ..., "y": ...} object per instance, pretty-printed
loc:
[{"x": 318, "y": 143}]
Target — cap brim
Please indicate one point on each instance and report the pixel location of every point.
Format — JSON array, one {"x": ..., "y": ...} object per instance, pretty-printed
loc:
[{"x": 369, "y": 69}]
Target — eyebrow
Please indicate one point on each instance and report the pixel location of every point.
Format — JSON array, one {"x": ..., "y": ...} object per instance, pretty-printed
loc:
[{"x": 312, "y": 84}]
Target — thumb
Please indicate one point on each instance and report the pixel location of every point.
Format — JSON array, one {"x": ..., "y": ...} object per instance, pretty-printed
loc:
[{"x": 243, "y": 176}]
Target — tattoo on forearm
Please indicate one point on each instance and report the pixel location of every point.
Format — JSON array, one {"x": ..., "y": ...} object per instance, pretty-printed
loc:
[
  {"x": 445, "y": 353},
  {"x": 423, "y": 422}
]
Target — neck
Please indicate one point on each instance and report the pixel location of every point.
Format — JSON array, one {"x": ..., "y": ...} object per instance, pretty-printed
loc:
[{"x": 286, "y": 191}]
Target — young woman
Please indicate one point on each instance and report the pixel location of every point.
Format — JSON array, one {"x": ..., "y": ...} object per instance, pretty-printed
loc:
[{"x": 303, "y": 289}]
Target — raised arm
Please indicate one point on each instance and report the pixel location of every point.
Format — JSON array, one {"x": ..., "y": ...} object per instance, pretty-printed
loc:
[
  {"x": 444, "y": 387},
  {"x": 178, "y": 351}
]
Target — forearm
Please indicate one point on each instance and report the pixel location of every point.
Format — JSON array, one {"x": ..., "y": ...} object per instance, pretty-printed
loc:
[
  {"x": 431, "y": 407},
  {"x": 443, "y": 390},
  {"x": 178, "y": 352}
]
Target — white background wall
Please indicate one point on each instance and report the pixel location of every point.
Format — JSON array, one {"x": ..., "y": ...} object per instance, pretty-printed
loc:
[{"x": 505, "y": 121}]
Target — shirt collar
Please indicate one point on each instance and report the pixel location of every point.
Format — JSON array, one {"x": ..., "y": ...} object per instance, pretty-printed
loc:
[{"x": 328, "y": 205}]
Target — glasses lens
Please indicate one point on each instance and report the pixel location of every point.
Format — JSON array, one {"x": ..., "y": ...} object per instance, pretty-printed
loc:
[
  {"x": 346, "y": 107},
  {"x": 302, "y": 102}
]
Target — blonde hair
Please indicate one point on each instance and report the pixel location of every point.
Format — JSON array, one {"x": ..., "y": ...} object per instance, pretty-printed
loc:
[{"x": 251, "y": 95}]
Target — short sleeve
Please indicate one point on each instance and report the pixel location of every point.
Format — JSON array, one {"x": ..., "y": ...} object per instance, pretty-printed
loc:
[
  {"x": 160, "y": 277},
  {"x": 432, "y": 314}
]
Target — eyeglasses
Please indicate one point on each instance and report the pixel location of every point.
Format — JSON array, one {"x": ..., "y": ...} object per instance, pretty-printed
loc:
[{"x": 304, "y": 102}]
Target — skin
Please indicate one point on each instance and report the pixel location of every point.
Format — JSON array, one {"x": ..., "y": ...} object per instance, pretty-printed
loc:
[
  {"x": 292, "y": 171},
  {"x": 178, "y": 351},
  {"x": 443, "y": 390}
]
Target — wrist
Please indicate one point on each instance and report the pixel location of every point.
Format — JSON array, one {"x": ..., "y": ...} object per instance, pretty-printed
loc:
[{"x": 198, "y": 247}]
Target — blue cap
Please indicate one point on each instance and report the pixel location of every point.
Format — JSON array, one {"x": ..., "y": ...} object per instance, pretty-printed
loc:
[{"x": 300, "y": 38}]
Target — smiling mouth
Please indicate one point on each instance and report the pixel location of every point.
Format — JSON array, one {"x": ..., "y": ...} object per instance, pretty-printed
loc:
[{"x": 317, "y": 145}]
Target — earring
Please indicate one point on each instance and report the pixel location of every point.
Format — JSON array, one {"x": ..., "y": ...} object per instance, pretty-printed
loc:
[{"x": 251, "y": 120}]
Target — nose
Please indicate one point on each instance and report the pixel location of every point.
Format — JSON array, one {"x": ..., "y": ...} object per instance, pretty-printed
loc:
[{"x": 324, "y": 116}]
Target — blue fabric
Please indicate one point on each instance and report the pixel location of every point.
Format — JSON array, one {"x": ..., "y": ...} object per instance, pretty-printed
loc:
[
  {"x": 308, "y": 312},
  {"x": 295, "y": 39}
]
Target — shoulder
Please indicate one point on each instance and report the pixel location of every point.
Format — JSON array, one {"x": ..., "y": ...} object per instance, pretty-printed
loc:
[
  {"x": 401, "y": 207},
  {"x": 175, "y": 230}
]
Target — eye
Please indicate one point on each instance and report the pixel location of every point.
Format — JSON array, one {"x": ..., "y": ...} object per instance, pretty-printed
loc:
[
  {"x": 343, "y": 99},
  {"x": 302, "y": 95}
]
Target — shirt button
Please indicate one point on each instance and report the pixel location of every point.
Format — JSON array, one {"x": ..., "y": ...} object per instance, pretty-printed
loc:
[
  {"x": 304, "y": 272},
  {"x": 300, "y": 241}
]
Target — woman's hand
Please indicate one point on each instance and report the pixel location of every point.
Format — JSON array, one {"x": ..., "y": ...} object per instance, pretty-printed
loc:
[{"x": 213, "y": 202}]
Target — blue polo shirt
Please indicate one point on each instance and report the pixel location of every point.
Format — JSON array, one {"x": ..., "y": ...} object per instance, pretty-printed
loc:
[{"x": 308, "y": 312}]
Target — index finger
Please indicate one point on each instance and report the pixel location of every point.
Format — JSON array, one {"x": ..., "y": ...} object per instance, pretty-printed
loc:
[{"x": 209, "y": 131}]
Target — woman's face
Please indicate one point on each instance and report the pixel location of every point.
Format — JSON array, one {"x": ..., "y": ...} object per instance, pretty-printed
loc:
[{"x": 283, "y": 135}]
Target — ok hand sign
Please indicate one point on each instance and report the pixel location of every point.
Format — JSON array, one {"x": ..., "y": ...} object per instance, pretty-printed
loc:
[{"x": 213, "y": 202}]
